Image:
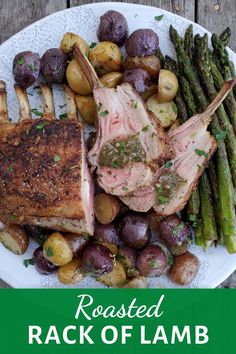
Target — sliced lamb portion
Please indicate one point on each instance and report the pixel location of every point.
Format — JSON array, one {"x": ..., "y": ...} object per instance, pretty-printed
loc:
[
  {"x": 130, "y": 143},
  {"x": 171, "y": 187}
]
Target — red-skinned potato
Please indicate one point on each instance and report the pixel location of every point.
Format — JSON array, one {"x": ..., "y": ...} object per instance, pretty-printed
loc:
[
  {"x": 184, "y": 269},
  {"x": 14, "y": 238}
]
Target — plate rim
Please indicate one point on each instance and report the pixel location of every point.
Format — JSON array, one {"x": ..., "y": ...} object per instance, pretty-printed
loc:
[{"x": 217, "y": 280}]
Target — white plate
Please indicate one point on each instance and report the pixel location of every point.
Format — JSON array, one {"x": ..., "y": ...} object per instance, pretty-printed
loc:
[{"x": 216, "y": 264}]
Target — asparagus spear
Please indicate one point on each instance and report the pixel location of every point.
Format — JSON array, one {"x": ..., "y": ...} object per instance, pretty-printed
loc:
[
  {"x": 211, "y": 172},
  {"x": 189, "y": 41},
  {"x": 225, "y": 36},
  {"x": 230, "y": 101},
  {"x": 203, "y": 65},
  {"x": 207, "y": 212},
  {"x": 225, "y": 187}
]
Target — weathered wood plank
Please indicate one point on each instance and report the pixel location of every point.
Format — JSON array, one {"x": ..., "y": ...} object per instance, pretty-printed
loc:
[
  {"x": 17, "y": 14},
  {"x": 180, "y": 7},
  {"x": 217, "y": 15}
]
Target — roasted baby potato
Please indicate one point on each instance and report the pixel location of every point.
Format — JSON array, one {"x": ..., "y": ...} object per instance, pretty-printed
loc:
[
  {"x": 97, "y": 260},
  {"x": 166, "y": 112},
  {"x": 43, "y": 265},
  {"x": 116, "y": 278},
  {"x": 154, "y": 260},
  {"x": 175, "y": 234},
  {"x": 134, "y": 230},
  {"x": 26, "y": 68},
  {"x": 71, "y": 273},
  {"x": 141, "y": 43},
  {"x": 107, "y": 233},
  {"x": 53, "y": 66},
  {"x": 128, "y": 257},
  {"x": 69, "y": 40},
  {"x": 111, "y": 80},
  {"x": 167, "y": 86},
  {"x": 184, "y": 269},
  {"x": 113, "y": 27},
  {"x": 87, "y": 108},
  {"x": 77, "y": 242},
  {"x": 77, "y": 79},
  {"x": 106, "y": 57},
  {"x": 57, "y": 249},
  {"x": 151, "y": 64},
  {"x": 107, "y": 208},
  {"x": 138, "y": 78},
  {"x": 138, "y": 282},
  {"x": 14, "y": 238}
]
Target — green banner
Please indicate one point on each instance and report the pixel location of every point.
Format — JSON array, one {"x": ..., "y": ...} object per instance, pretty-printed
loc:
[{"x": 117, "y": 321}]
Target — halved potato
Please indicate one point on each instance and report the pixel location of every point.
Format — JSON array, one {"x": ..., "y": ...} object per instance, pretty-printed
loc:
[
  {"x": 116, "y": 278},
  {"x": 137, "y": 282},
  {"x": 87, "y": 108},
  {"x": 57, "y": 249},
  {"x": 166, "y": 112},
  {"x": 107, "y": 207},
  {"x": 71, "y": 272},
  {"x": 111, "y": 80},
  {"x": 70, "y": 39},
  {"x": 76, "y": 78},
  {"x": 106, "y": 57},
  {"x": 14, "y": 238},
  {"x": 77, "y": 242},
  {"x": 149, "y": 63},
  {"x": 167, "y": 86}
]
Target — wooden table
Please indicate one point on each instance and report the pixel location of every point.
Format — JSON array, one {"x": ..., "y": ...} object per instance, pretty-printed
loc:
[{"x": 214, "y": 15}]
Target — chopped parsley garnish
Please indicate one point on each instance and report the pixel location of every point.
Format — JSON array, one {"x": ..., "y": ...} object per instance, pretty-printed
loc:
[
  {"x": 99, "y": 106},
  {"x": 28, "y": 262},
  {"x": 63, "y": 116},
  {"x": 121, "y": 57},
  {"x": 169, "y": 259},
  {"x": 145, "y": 129},
  {"x": 136, "y": 105},
  {"x": 168, "y": 164},
  {"x": 21, "y": 61},
  {"x": 49, "y": 252},
  {"x": 103, "y": 113},
  {"x": 11, "y": 169},
  {"x": 125, "y": 188},
  {"x": 36, "y": 112},
  {"x": 159, "y": 18},
  {"x": 162, "y": 199},
  {"x": 119, "y": 257},
  {"x": 57, "y": 158},
  {"x": 220, "y": 134},
  {"x": 152, "y": 263},
  {"x": 13, "y": 217},
  {"x": 40, "y": 126},
  {"x": 174, "y": 107},
  {"x": 116, "y": 164},
  {"x": 62, "y": 105},
  {"x": 201, "y": 153},
  {"x": 122, "y": 147},
  {"x": 92, "y": 45},
  {"x": 32, "y": 67}
]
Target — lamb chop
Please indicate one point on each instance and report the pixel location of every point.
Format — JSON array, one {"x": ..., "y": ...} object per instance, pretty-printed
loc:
[
  {"x": 131, "y": 144},
  {"x": 44, "y": 177},
  {"x": 149, "y": 182}
]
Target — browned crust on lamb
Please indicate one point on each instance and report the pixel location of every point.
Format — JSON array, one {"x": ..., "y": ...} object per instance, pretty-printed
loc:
[{"x": 40, "y": 170}]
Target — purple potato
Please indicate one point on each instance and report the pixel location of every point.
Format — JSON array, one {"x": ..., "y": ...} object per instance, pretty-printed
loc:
[
  {"x": 107, "y": 233},
  {"x": 175, "y": 234},
  {"x": 97, "y": 260},
  {"x": 26, "y": 68},
  {"x": 141, "y": 43},
  {"x": 53, "y": 65},
  {"x": 113, "y": 27},
  {"x": 42, "y": 265},
  {"x": 128, "y": 257},
  {"x": 39, "y": 234},
  {"x": 134, "y": 230},
  {"x": 154, "y": 260},
  {"x": 138, "y": 78},
  {"x": 77, "y": 243}
]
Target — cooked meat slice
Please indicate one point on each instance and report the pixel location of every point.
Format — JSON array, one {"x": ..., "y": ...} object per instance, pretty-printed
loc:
[
  {"x": 171, "y": 187},
  {"x": 44, "y": 177},
  {"x": 128, "y": 137}
]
